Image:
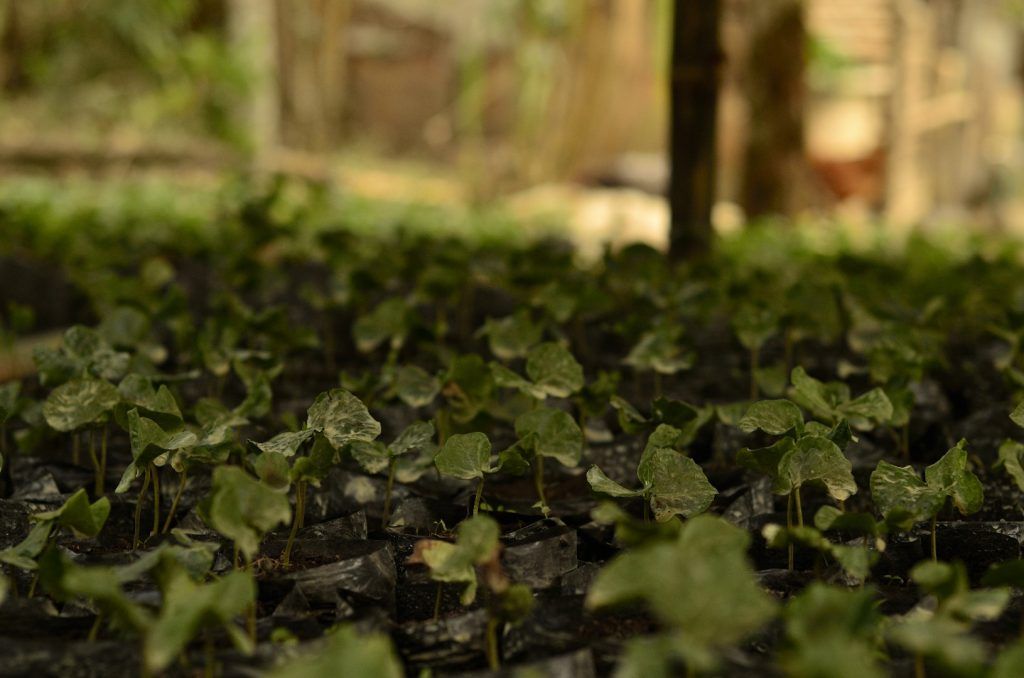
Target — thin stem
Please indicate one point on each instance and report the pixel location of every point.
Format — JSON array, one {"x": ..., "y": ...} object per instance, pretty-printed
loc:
[
  {"x": 789, "y": 525},
  {"x": 211, "y": 658},
  {"x": 385, "y": 519},
  {"x": 538, "y": 481},
  {"x": 479, "y": 495},
  {"x": 437, "y": 601},
  {"x": 647, "y": 510},
  {"x": 799, "y": 508},
  {"x": 493, "y": 661},
  {"x": 919, "y": 665},
  {"x": 788, "y": 349},
  {"x": 300, "y": 506},
  {"x": 103, "y": 461},
  {"x": 302, "y": 513},
  {"x": 94, "y": 632},
  {"x": 935, "y": 550},
  {"x": 156, "y": 498},
  {"x": 657, "y": 384},
  {"x": 97, "y": 474},
  {"x": 138, "y": 509},
  {"x": 177, "y": 497},
  {"x": 76, "y": 449}
]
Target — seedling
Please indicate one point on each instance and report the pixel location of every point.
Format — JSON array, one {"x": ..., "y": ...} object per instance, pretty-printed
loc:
[
  {"x": 754, "y": 326},
  {"x": 243, "y": 509},
  {"x": 832, "y": 402},
  {"x": 700, "y": 587},
  {"x": 346, "y": 652},
  {"x": 672, "y": 483},
  {"x": 806, "y": 453},
  {"x": 547, "y": 433},
  {"x": 551, "y": 371},
  {"x": 84, "y": 403},
  {"x": 376, "y": 457},
  {"x": 474, "y": 557},
  {"x": 832, "y": 632},
  {"x": 512, "y": 336},
  {"x": 335, "y": 420},
  {"x": 901, "y": 495},
  {"x": 660, "y": 352}
]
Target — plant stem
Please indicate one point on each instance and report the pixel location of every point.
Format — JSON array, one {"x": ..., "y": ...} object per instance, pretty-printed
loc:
[
  {"x": 493, "y": 660},
  {"x": 103, "y": 461},
  {"x": 94, "y": 632},
  {"x": 755, "y": 358},
  {"x": 788, "y": 350},
  {"x": 387, "y": 493},
  {"x": 97, "y": 474},
  {"x": 919, "y": 665},
  {"x": 437, "y": 601},
  {"x": 76, "y": 449},
  {"x": 211, "y": 658},
  {"x": 789, "y": 526},
  {"x": 156, "y": 498},
  {"x": 174, "y": 503},
  {"x": 538, "y": 481},
  {"x": 300, "y": 507},
  {"x": 479, "y": 495},
  {"x": 935, "y": 550},
  {"x": 138, "y": 509},
  {"x": 647, "y": 510},
  {"x": 799, "y": 508},
  {"x": 657, "y": 384}
]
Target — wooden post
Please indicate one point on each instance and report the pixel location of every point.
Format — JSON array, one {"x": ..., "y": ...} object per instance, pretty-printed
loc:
[
  {"x": 694, "y": 74},
  {"x": 252, "y": 27}
]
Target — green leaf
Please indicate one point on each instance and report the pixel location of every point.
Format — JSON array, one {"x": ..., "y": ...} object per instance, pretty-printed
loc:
[
  {"x": 950, "y": 476},
  {"x": 346, "y": 652},
  {"x": 765, "y": 460},
  {"x": 78, "y": 515},
  {"x": 9, "y": 392},
  {"x": 189, "y": 607},
  {"x": 387, "y": 322},
  {"x": 551, "y": 433},
  {"x": 272, "y": 469},
  {"x": 476, "y": 544},
  {"x": 468, "y": 387},
  {"x": 1011, "y": 455},
  {"x": 700, "y": 585},
  {"x": 415, "y": 386},
  {"x": 812, "y": 395},
  {"x": 243, "y": 509},
  {"x": 512, "y": 336},
  {"x": 677, "y": 484},
  {"x": 599, "y": 482},
  {"x": 774, "y": 417},
  {"x": 342, "y": 418},
  {"x": 754, "y": 325},
  {"x": 315, "y": 466},
  {"x": 1017, "y": 416},
  {"x": 372, "y": 457},
  {"x": 814, "y": 458},
  {"x": 24, "y": 553},
  {"x": 1010, "y": 663},
  {"x": 157, "y": 404},
  {"x": 464, "y": 455},
  {"x": 899, "y": 489},
  {"x": 554, "y": 370},
  {"x": 873, "y": 406},
  {"x": 79, "y": 403},
  {"x": 149, "y": 441},
  {"x": 286, "y": 444},
  {"x": 416, "y": 436},
  {"x": 660, "y": 352},
  {"x": 506, "y": 378}
]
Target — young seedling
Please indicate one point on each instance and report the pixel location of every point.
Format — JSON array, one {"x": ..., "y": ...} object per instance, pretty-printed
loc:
[
  {"x": 699, "y": 587},
  {"x": 805, "y": 453},
  {"x": 335, "y": 420},
  {"x": 671, "y": 483},
  {"x": 243, "y": 509},
  {"x": 9, "y": 406},
  {"x": 832, "y": 632},
  {"x": 754, "y": 325},
  {"x": 551, "y": 370},
  {"x": 660, "y": 352},
  {"x": 148, "y": 442},
  {"x": 388, "y": 323},
  {"x": 902, "y": 497},
  {"x": 376, "y": 457},
  {"x": 81, "y": 404},
  {"x": 547, "y": 433},
  {"x": 475, "y": 557},
  {"x": 511, "y": 337},
  {"x": 832, "y": 402},
  {"x": 940, "y": 631},
  {"x": 76, "y": 514},
  {"x": 468, "y": 389},
  {"x": 346, "y": 651}
]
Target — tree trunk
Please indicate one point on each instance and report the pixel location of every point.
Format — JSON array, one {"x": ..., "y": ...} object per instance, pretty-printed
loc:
[
  {"x": 775, "y": 169},
  {"x": 252, "y": 27},
  {"x": 694, "y": 74}
]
